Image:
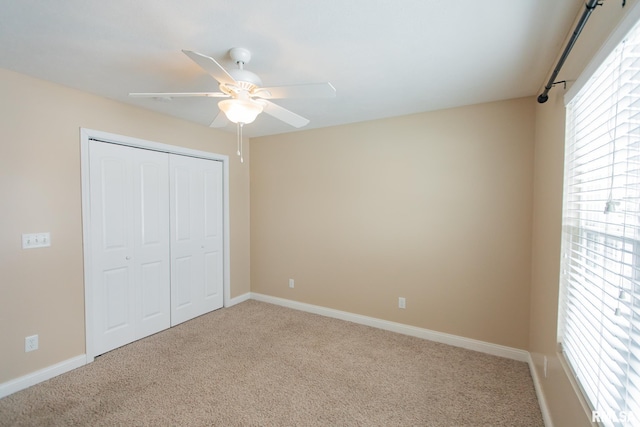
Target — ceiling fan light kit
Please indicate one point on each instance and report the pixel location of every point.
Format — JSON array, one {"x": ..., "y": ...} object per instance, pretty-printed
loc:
[
  {"x": 242, "y": 111},
  {"x": 243, "y": 87}
]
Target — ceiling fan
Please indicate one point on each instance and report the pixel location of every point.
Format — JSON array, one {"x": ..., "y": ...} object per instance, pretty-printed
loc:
[{"x": 246, "y": 97}]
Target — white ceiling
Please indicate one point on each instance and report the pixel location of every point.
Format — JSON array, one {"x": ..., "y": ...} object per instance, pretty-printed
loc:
[{"x": 384, "y": 57}]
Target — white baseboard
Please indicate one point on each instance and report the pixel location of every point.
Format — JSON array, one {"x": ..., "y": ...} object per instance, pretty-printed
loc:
[
  {"x": 42, "y": 375},
  {"x": 239, "y": 299},
  {"x": 546, "y": 415},
  {"x": 454, "y": 340}
]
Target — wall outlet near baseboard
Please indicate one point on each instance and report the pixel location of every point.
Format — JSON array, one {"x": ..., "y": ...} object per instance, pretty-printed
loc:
[
  {"x": 30, "y": 343},
  {"x": 402, "y": 302},
  {"x": 291, "y": 283}
]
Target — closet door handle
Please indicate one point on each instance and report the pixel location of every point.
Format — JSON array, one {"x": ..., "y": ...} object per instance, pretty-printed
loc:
[{"x": 127, "y": 258}]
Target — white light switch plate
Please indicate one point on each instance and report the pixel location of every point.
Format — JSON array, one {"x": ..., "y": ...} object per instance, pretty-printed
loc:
[{"x": 36, "y": 240}]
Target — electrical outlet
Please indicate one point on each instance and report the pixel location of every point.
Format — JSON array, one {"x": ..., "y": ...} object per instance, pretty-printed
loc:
[
  {"x": 30, "y": 343},
  {"x": 291, "y": 283},
  {"x": 546, "y": 364},
  {"x": 402, "y": 303}
]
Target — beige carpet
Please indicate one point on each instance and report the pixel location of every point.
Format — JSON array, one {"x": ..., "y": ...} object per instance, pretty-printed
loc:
[{"x": 257, "y": 364}]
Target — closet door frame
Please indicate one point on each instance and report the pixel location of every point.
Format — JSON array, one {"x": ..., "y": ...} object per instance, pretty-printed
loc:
[{"x": 87, "y": 135}]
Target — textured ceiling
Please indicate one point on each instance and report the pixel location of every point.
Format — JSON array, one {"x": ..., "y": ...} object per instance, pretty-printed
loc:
[{"x": 384, "y": 57}]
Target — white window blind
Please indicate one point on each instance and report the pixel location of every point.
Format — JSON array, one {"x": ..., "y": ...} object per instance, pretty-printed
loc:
[{"x": 599, "y": 328}]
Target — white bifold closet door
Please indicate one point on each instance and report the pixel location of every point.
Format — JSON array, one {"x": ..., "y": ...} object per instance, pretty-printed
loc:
[
  {"x": 196, "y": 199},
  {"x": 156, "y": 241},
  {"x": 130, "y": 241}
]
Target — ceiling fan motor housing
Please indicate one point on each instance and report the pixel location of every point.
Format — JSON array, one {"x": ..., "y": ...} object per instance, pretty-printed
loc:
[{"x": 245, "y": 79}]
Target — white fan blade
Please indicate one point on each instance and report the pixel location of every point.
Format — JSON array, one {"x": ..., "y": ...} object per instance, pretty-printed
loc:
[
  {"x": 283, "y": 114},
  {"x": 211, "y": 66},
  {"x": 220, "y": 121},
  {"x": 177, "y": 94},
  {"x": 313, "y": 90}
]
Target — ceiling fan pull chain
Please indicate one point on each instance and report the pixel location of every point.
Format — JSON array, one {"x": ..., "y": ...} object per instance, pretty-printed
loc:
[
  {"x": 240, "y": 125},
  {"x": 238, "y": 138}
]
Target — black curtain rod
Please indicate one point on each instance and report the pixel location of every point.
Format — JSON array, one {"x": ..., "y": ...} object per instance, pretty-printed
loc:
[{"x": 589, "y": 6}]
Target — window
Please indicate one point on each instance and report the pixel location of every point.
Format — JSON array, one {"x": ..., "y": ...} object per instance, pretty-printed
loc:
[{"x": 599, "y": 330}]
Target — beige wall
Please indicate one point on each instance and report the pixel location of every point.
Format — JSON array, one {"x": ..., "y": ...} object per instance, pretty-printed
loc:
[
  {"x": 562, "y": 400},
  {"x": 42, "y": 290},
  {"x": 433, "y": 207}
]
